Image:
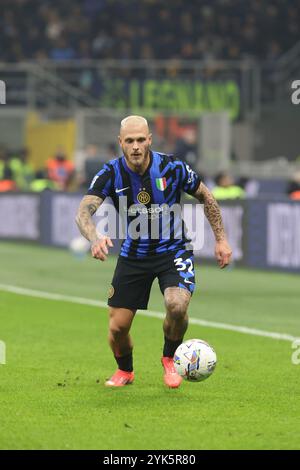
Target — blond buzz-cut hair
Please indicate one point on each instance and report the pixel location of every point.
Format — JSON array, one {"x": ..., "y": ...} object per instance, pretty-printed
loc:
[{"x": 133, "y": 120}]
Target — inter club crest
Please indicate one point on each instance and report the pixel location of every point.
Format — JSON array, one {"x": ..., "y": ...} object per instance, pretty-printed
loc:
[{"x": 143, "y": 197}]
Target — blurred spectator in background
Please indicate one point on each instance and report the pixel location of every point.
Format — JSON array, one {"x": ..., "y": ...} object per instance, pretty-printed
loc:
[
  {"x": 41, "y": 182},
  {"x": 94, "y": 161},
  {"x": 294, "y": 187},
  {"x": 22, "y": 171},
  {"x": 251, "y": 186},
  {"x": 60, "y": 170},
  {"x": 7, "y": 182},
  {"x": 62, "y": 51},
  {"x": 112, "y": 151},
  {"x": 92, "y": 164},
  {"x": 186, "y": 147},
  {"x": 226, "y": 188}
]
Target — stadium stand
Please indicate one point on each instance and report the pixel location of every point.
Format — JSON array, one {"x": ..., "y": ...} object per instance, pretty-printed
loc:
[{"x": 119, "y": 29}]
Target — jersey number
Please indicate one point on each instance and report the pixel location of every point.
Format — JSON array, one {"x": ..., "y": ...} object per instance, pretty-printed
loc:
[{"x": 182, "y": 265}]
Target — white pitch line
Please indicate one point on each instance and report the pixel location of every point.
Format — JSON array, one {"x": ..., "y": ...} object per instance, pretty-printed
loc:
[{"x": 148, "y": 313}]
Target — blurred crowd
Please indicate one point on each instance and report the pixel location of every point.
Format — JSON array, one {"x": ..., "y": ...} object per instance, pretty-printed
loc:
[
  {"x": 147, "y": 29},
  {"x": 59, "y": 174},
  {"x": 17, "y": 173}
]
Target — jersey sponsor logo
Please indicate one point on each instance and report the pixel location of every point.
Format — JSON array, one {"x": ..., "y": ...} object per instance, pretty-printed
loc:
[
  {"x": 161, "y": 183},
  {"x": 143, "y": 197},
  {"x": 122, "y": 189}
]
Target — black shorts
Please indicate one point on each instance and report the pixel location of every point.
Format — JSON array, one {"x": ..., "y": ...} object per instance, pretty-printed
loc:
[{"x": 132, "y": 280}]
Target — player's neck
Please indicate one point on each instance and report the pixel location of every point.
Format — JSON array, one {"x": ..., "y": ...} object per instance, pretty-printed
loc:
[{"x": 140, "y": 169}]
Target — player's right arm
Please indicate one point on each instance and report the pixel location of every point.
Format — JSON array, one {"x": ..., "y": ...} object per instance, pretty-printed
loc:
[{"x": 99, "y": 244}]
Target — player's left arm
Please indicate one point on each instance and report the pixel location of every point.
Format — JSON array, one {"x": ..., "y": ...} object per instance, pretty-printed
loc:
[{"x": 212, "y": 211}]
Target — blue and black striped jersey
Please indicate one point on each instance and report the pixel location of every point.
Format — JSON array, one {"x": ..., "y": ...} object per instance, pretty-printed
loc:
[{"x": 153, "y": 194}]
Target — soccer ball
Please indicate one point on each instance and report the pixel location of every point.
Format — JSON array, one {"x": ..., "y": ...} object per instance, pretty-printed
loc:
[
  {"x": 79, "y": 246},
  {"x": 195, "y": 360}
]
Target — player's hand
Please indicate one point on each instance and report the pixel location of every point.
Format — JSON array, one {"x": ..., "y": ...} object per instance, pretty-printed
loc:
[
  {"x": 99, "y": 248},
  {"x": 223, "y": 253}
]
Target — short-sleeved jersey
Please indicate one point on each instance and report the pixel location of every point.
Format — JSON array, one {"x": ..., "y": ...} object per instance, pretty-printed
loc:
[{"x": 152, "y": 193}]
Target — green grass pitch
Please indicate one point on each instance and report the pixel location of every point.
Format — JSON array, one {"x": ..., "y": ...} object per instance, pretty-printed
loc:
[{"x": 57, "y": 358}]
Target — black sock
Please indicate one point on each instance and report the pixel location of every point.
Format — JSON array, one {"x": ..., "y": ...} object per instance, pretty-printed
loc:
[
  {"x": 125, "y": 362},
  {"x": 170, "y": 347}
]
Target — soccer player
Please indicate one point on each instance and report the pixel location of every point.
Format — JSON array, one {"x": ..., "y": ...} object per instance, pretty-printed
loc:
[{"x": 147, "y": 179}]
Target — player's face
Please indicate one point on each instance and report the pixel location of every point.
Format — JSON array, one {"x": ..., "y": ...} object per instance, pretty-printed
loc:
[{"x": 135, "y": 143}]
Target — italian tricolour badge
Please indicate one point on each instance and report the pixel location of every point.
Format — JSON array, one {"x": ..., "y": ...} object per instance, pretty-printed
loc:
[{"x": 161, "y": 183}]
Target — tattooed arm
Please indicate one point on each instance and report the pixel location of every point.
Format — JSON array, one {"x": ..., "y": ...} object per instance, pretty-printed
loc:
[
  {"x": 87, "y": 208},
  {"x": 213, "y": 214}
]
